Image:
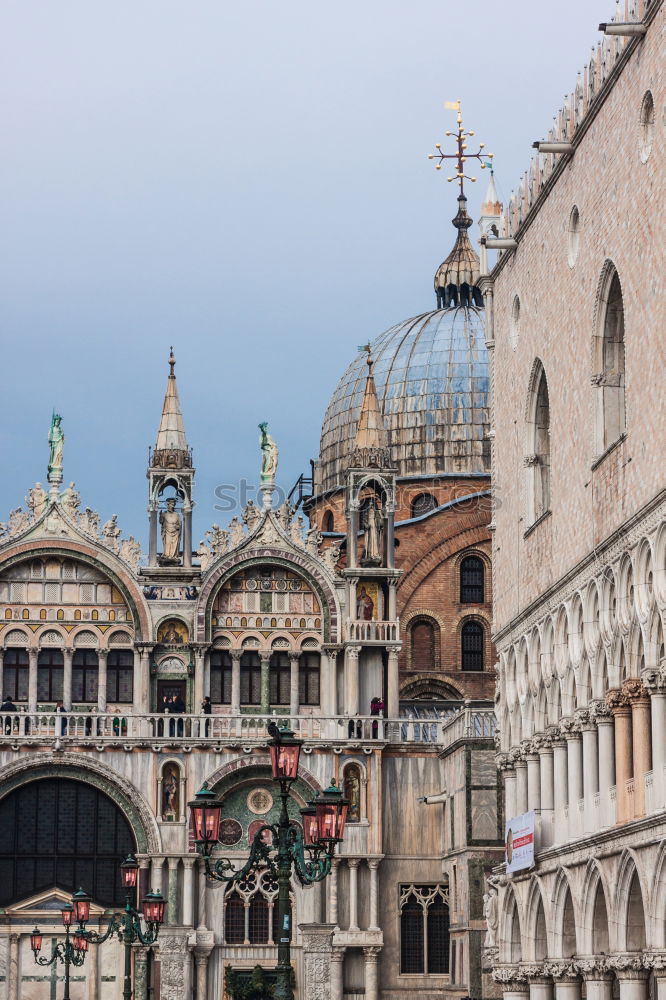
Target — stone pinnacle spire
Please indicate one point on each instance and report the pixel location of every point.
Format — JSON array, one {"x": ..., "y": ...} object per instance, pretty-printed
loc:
[
  {"x": 371, "y": 445},
  {"x": 171, "y": 448}
]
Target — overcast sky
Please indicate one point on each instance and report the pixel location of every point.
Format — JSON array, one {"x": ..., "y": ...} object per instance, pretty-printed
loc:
[{"x": 246, "y": 181}]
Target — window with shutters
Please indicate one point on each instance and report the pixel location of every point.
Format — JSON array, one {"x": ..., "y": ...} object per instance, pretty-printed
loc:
[
  {"x": 64, "y": 833},
  {"x": 424, "y": 929}
]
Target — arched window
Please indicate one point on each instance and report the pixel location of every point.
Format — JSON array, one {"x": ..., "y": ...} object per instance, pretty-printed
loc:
[
  {"x": 424, "y": 634},
  {"x": 234, "y": 919},
  {"x": 84, "y": 675},
  {"x": 15, "y": 674},
  {"x": 471, "y": 580},
  {"x": 220, "y": 677},
  {"x": 424, "y": 929},
  {"x": 328, "y": 523},
  {"x": 609, "y": 379},
  {"x": 59, "y": 832},
  {"x": 120, "y": 676},
  {"x": 250, "y": 679},
  {"x": 50, "y": 666},
  {"x": 538, "y": 446},
  {"x": 471, "y": 642},
  {"x": 423, "y": 504},
  {"x": 258, "y": 920},
  {"x": 308, "y": 679},
  {"x": 280, "y": 679}
]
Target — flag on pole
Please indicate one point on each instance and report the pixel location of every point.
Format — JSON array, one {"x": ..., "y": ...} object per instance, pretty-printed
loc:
[{"x": 452, "y": 105}]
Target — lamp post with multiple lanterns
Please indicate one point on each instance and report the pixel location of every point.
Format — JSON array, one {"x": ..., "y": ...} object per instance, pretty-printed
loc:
[
  {"x": 127, "y": 924},
  {"x": 310, "y": 854},
  {"x": 71, "y": 951}
]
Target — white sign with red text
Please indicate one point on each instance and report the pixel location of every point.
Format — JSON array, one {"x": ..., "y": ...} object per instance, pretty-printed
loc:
[{"x": 519, "y": 842}]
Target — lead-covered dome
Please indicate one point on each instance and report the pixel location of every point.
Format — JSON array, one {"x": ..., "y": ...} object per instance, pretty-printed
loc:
[{"x": 432, "y": 380}]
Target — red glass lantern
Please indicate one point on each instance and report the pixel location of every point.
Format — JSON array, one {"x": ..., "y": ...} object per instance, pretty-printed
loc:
[
  {"x": 331, "y": 811},
  {"x": 129, "y": 870},
  {"x": 80, "y": 942},
  {"x": 206, "y": 810},
  {"x": 285, "y": 750},
  {"x": 36, "y": 940},
  {"x": 153, "y": 907},
  {"x": 310, "y": 828},
  {"x": 67, "y": 915},
  {"x": 81, "y": 903}
]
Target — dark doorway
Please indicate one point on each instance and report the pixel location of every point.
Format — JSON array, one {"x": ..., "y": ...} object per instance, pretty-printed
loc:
[{"x": 170, "y": 689}]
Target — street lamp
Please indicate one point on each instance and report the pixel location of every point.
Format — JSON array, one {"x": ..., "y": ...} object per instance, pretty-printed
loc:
[
  {"x": 68, "y": 952},
  {"x": 127, "y": 925},
  {"x": 310, "y": 853}
]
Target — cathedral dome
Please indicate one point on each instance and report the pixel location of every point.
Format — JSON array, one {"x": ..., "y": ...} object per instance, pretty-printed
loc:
[{"x": 431, "y": 374}]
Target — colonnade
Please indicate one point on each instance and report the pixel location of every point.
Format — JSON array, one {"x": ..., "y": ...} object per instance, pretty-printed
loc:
[
  {"x": 603, "y": 765},
  {"x": 563, "y": 979},
  {"x": 353, "y": 935}
]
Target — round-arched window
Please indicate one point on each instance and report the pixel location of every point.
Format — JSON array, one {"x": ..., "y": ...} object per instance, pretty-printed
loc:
[
  {"x": 423, "y": 504},
  {"x": 64, "y": 833}
]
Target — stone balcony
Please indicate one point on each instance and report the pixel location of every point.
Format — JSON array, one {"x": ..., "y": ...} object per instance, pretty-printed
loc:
[
  {"x": 372, "y": 633},
  {"x": 155, "y": 731}
]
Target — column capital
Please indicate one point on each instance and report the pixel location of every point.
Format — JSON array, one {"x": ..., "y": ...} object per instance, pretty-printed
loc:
[
  {"x": 352, "y": 652},
  {"x": 173, "y": 863},
  {"x": 295, "y": 654},
  {"x": 394, "y": 649},
  {"x": 654, "y": 680},
  {"x": 331, "y": 649},
  {"x": 656, "y": 960},
  {"x": 600, "y": 712},
  {"x": 570, "y": 729},
  {"x": 594, "y": 968},
  {"x": 265, "y": 655},
  {"x": 543, "y": 743},
  {"x": 188, "y": 861},
  {"x": 371, "y": 952},
  {"x": 144, "y": 647},
  {"x": 504, "y": 762},
  {"x": 564, "y": 969},
  {"x": 102, "y": 653},
  {"x": 373, "y": 864},
  {"x": 235, "y": 654},
  {"x": 200, "y": 648},
  {"x": 337, "y": 954},
  {"x": 628, "y": 966},
  {"x": 618, "y": 702},
  {"x": 634, "y": 690},
  {"x": 507, "y": 974},
  {"x": 534, "y": 971},
  {"x": 353, "y": 862}
]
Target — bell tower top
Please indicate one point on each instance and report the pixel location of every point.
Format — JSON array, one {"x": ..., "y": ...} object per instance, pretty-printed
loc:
[{"x": 171, "y": 448}]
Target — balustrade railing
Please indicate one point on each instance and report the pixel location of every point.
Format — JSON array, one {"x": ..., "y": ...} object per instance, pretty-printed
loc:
[
  {"x": 372, "y": 631},
  {"x": 119, "y": 727}
]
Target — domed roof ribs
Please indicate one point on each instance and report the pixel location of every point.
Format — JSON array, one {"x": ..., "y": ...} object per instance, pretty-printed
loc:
[
  {"x": 171, "y": 448},
  {"x": 371, "y": 449}
]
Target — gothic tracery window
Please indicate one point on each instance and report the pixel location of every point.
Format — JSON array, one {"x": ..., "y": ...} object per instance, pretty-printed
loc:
[
  {"x": 424, "y": 929},
  {"x": 250, "y": 910}
]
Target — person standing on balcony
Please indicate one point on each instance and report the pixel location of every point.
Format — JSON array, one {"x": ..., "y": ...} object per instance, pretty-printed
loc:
[{"x": 376, "y": 708}]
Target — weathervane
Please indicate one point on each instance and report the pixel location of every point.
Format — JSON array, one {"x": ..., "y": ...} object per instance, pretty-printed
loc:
[{"x": 461, "y": 155}]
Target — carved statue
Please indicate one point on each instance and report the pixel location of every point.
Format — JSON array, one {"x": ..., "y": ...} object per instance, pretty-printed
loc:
[
  {"x": 297, "y": 531},
  {"x": 37, "y": 500},
  {"x": 331, "y": 556},
  {"x": 352, "y": 791},
  {"x": 251, "y": 515},
  {"x": 491, "y": 917},
  {"x": 170, "y": 793},
  {"x": 284, "y": 515},
  {"x": 18, "y": 522},
  {"x": 89, "y": 522},
  {"x": 71, "y": 501},
  {"x": 236, "y": 533},
  {"x": 205, "y": 555},
  {"x": 170, "y": 525},
  {"x": 269, "y": 455},
  {"x": 56, "y": 443},
  {"x": 218, "y": 540},
  {"x": 372, "y": 534},
  {"x": 313, "y": 540},
  {"x": 130, "y": 551},
  {"x": 111, "y": 533}
]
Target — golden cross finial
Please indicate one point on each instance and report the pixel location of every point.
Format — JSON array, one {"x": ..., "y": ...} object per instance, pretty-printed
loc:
[{"x": 461, "y": 155}]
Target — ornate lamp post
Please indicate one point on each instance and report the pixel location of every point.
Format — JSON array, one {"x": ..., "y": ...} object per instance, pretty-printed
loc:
[
  {"x": 127, "y": 925},
  {"x": 310, "y": 854},
  {"x": 68, "y": 952}
]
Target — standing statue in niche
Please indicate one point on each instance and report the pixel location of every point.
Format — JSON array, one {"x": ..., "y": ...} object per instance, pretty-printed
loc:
[
  {"x": 269, "y": 455},
  {"x": 170, "y": 526},
  {"x": 491, "y": 916},
  {"x": 170, "y": 794},
  {"x": 372, "y": 536},
  {"x": 56, "y": 443},
  {"x": 352, "y": 791}
]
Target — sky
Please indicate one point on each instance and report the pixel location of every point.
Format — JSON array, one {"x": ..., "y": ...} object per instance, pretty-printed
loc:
[{"x": 248, "y": 182}]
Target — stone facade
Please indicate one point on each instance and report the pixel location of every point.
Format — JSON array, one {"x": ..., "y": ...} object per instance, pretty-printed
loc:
[{"x": 575, "y": 327}]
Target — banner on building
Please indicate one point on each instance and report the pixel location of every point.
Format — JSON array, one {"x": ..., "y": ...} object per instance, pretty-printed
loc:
[{"x": 519, "y": 842}]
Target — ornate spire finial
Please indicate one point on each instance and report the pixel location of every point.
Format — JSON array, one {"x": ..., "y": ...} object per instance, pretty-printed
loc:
[
  {"x": 461, "y": 154},
  {"x": 172, "y": 361}
]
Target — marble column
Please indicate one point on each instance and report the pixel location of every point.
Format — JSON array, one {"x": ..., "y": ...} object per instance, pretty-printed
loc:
[
  {"x": 567, "y": 988},
  {"x": 533, "y": 778},
  {"x": 633, "y": 983},
  {"x": 574, "y": 776},
  {"x": 598, "y": 981},
  {"x": 560, "y": 796},
  {"x": 333, "y": 892},
  {"x": 156, "y": 866},
  {"x": 142, "y": 680},
  {"x": 140, "y": 971},
  {"x": 521, "y": 785},
  {"x": 294, "y": 662},
  {"x": 619, "y": 705},
  {"x": 33, "y": 655},
  {"x": 337, "y": 958},
  {"x": 541, "y": 988},
  {"x": 370, "y": 956},
  {"x": 172, "y": 891},
  {"x": 202, "y": 976},
  {"x": 641, "y": 739},
  {"x": 201, "y": 903},
  {"x": 515, "y": 990},
  {"x": 199, "y": 677},
  {"x": 393, "y": 683},
  {"x": 102, "y": 657},
  {"x": 68, "y": 655},
  {"x": 351, "y": 680},
  {"x": 392, "y": 601},
  {"x": 655, "y": 683},
  {"x": 235, "y": 680},
  {"x": 13, "y": 968},
  {"x": 92, "y": 976},
  {"x": 352, "y": 865},
  {"x": 265, "y": 657},
  {"x": 188, "y": 890},
  {"x": 606, "y": 750},
  {"x": 373, "y": 865},
  {"x": 509, "y": 788},
  {"x": 658, "y": 964},
  {"x": 590, "y": 769},
  {"x": 547, "y": 789}
]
